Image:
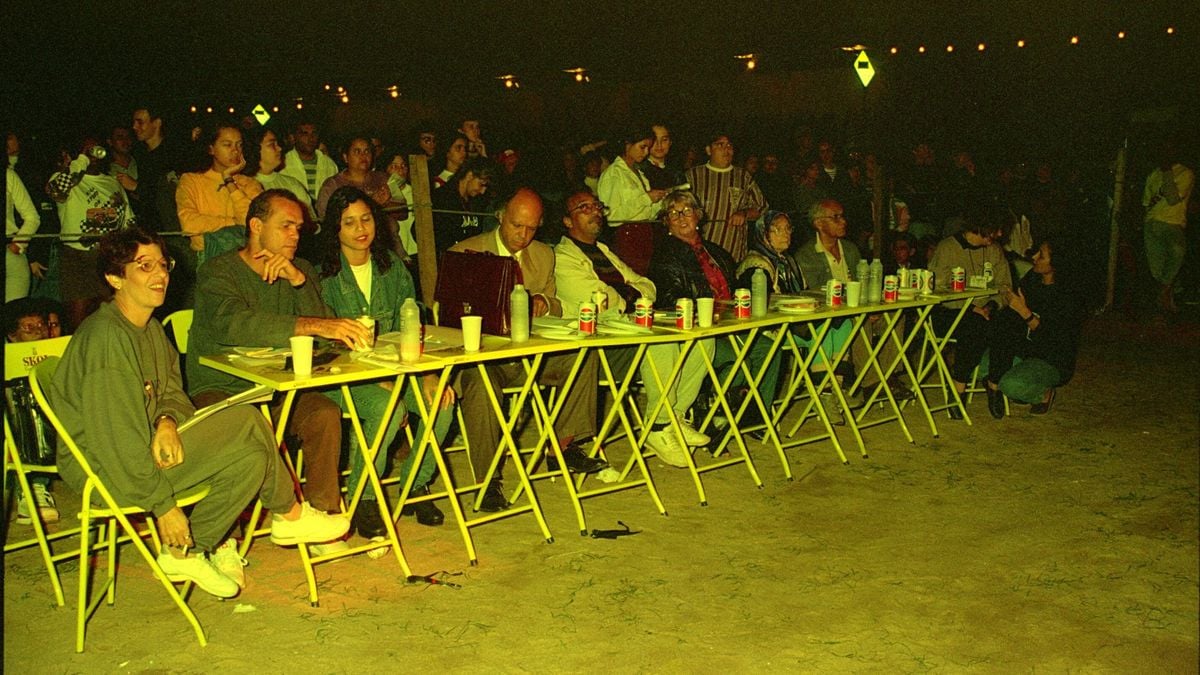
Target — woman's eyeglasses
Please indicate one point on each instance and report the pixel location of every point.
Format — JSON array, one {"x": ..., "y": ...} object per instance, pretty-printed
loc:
[
  {"x": 146, "y": 265},
  {"x": 680, "y": 213}
]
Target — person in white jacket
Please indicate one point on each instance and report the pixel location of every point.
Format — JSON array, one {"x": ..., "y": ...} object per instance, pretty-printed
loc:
[
  {"x": 305, "y": 162},
  {"x": 582, "y": 265},
  {"x": 623, "y": 186},
  {"x": 17, "y": 202}
]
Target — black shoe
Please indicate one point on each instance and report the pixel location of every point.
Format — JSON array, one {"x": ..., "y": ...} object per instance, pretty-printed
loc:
[
  {"x": 367, "y": 520},
  {"x": 995, "y": 403},
  {"x": 1044, "y": 407},
  {"x": 427, "y": 513},
  {"x": 956, "y": 413},
  {"x": 577, "y": 460},
  {"x": 901, "y": 392},
  {"x": 494, "y": 500}
]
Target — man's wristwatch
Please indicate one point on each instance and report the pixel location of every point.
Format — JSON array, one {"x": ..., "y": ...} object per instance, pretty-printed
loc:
[{"x": 158, "y": 420}]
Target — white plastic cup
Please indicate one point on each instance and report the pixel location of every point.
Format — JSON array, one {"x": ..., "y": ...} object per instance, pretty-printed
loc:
[
  {"x": 472, "y": 331},
  {"x": 853, "y": 293},
  {"x": 302, "y": 349},
  {"x": 704, "y": 312}
]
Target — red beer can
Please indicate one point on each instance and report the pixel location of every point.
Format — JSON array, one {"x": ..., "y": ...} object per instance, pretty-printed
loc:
[
  {"x": 833, "y": 293},
  {"x": 958, "y": 279},
  {"x": 643, "y": 313},
  {"x": 891, "y": 288},
  {"x": 741, "y": 303},
  {"x": 587, "y": 318}
]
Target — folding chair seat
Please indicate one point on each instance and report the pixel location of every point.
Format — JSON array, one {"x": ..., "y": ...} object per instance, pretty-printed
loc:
[
  {"x": 109, "y": 512},
  {"x": 20, "y": 358}
]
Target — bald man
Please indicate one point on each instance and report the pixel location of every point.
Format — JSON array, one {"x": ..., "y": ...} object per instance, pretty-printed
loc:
[{"x": 576, "y": 424}]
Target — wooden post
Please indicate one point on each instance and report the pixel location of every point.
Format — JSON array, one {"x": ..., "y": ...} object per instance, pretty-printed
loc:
[
  {"x": 422, "y": 208},
  {"x": 877, "y": 211},
  {"x": 1114, "y": 225}
]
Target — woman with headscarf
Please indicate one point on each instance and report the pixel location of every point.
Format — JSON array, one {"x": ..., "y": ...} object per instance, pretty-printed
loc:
[{"x": 770, "y": 240}]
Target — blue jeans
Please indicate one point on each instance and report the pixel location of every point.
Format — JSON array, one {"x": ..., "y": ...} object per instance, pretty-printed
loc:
[{"x": 370, "y": 401}]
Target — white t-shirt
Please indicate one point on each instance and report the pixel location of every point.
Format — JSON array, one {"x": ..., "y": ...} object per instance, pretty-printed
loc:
[{"x": 362, "y": 275}]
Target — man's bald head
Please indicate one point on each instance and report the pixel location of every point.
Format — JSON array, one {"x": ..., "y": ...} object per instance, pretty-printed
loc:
[{"x": 520, "y": 219}]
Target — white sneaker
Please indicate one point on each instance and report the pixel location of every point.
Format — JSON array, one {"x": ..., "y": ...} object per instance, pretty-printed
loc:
[
  {"x": 227, "y": 559},
  {"x": 317, "y": 550},
  {"x": 668, "y": 448},
  {"x": 200, "y": 570},
  {"x": 45, "y": 503},
  {"x": 311, "y": 527},
  {"x": 691, "y": 436}
]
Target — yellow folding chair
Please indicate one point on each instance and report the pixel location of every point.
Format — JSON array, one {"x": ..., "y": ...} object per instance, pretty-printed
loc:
[
  {"x": 19, "y": 360},
  {"x": 180, "y": 323},
  {"x": 42, "y": 373}
]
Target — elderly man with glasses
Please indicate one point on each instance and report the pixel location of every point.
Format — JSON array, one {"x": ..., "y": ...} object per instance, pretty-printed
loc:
[{"x": 829, "y": 255}]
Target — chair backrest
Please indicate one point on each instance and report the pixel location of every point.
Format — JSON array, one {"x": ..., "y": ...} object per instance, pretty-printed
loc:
[
  {"x": 180, "y": 323},
  {"x": 39, "y": 378},
  {"x": 21, "y": 357},
  {"x": 634, "y": 245}
]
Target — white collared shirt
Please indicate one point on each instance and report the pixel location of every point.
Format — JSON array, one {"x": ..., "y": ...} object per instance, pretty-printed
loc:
[{"x": 837, "y": 268}]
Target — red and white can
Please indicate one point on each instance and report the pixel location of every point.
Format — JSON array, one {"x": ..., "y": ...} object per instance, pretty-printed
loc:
[
  {"x": 958, "y": 279},
  {"x": 834, "y": 291},
  {"x": 587, "y": 318},
  {"x": 891, "y": 288},
  {"x": 643, "y": 313},
  {"x": 685, "y": 313},
  {"x": 741, "y": 303},
  {"x": 600, "y": 298}
]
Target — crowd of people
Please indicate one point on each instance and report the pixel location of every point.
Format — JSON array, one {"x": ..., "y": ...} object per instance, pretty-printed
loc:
[{"x": 278, "y": 238}]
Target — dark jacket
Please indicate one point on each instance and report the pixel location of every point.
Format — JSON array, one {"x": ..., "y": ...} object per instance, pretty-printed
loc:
[
  {"x": 676, "y": 272},
  {"x": 815, "y": 267}
]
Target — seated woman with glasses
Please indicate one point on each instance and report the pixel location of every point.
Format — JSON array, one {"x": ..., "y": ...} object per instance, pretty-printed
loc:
[
  {"x": 118, "y": 393},
  {"x": 685, "y": 265},
  {"x": 362, "y": 276},
  {"x": 623, "y": 186},
  {"x": 972, "y": 249}
]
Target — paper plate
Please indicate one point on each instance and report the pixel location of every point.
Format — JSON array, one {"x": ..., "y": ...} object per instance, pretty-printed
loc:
[{"x": 797, "y": 307}]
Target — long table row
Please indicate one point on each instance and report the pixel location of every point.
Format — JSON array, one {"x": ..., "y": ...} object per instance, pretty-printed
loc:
[{"x": 783, "y": 328}]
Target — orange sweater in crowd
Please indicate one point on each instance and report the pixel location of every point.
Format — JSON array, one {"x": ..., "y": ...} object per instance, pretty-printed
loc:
[{"x": 205, "y": 204}]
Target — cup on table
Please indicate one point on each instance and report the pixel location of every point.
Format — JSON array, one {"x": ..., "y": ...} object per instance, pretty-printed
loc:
[
  {"x": 853, "y": 293},
  {"x": 704, "y": 312},
  {"x": 302, "y": 350},
  {"x": 472, "y": 331}
]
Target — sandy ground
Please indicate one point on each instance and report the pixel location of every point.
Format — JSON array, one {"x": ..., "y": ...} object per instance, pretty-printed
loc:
[{"x": 1064, "y": 543}]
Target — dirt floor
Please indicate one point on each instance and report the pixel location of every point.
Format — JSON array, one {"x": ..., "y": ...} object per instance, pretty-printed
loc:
[{"x": 1064, "y": 543}]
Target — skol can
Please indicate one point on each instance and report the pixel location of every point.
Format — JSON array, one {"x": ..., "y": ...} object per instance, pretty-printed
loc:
[
  {"x": 369, "y": 322},
  {"x": 685, "y": 312},
  {"x": 587, "y": 318},
  {"x": 741, "y": 303},
  {"x": 643, "y": 313},
  {"x": 601, "y": 300},
  {"x": 958, "y": 279},
  {"x": 927, "y": 281},
  {"x": 833, "y": 293},
  {"x": 988, "y": 273},
  {"x": 891, "y": 288}
]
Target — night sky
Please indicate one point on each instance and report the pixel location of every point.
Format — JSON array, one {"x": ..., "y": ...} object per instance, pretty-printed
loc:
[{"x": 81, "y": 64}]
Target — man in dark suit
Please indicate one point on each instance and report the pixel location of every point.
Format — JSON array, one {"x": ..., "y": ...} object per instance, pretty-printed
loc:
[{"x": 520, "y": 219}]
